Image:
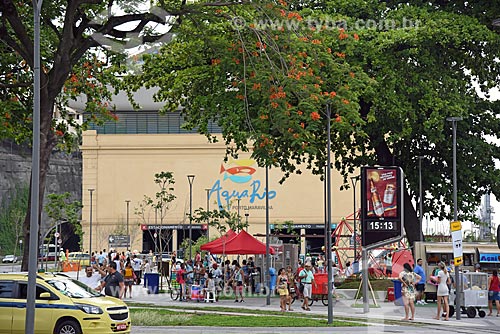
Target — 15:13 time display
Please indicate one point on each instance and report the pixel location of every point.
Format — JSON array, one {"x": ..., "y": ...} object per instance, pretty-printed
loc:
[{"x": 381, "y": 226}]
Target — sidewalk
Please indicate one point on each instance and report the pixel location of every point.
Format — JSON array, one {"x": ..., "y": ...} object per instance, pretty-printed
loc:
[{"x": 344, "y": 308}]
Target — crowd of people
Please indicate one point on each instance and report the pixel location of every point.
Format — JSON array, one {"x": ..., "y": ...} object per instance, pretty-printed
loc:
[{"x": 115, "y": 274}]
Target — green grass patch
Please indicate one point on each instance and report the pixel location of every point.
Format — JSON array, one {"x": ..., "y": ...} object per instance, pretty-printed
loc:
[{"x": 164, "y": 317}]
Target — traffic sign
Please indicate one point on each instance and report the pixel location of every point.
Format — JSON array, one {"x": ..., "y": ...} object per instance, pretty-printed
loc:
[
  {"x": 118, "y": 241},
  {"x": 56, "y": 234},
  {"x": 456, "y": 237}
]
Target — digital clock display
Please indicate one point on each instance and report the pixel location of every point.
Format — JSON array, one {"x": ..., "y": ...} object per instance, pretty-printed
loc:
[{"x": 381, "y": 226}]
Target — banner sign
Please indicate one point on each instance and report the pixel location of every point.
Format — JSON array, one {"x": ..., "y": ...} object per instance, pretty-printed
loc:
[{"x": 382, "y": 212}]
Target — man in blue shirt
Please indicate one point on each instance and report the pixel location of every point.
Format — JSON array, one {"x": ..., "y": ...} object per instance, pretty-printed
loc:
[{"x": 420, "y": 284}]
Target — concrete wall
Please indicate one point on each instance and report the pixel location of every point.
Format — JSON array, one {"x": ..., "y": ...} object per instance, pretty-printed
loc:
[{"x": 65, "y": 172}]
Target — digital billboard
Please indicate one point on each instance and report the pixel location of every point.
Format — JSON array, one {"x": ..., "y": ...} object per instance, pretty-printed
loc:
[{"x": 381, "y": 204}]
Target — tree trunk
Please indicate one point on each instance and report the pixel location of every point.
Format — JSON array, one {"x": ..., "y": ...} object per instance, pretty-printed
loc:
[{"x": 47, "y": 144}]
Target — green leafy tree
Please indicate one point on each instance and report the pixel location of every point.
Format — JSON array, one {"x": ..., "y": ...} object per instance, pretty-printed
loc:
[
  {"x": 160, "y": 205},
  {"x": 60, "y": 208},
  {"x": 11, "y": 218},
  {"x": 391, "y": 71}
]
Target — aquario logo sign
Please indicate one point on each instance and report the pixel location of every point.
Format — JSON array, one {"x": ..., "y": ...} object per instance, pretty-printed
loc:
[{"x": 238, "y": 180}]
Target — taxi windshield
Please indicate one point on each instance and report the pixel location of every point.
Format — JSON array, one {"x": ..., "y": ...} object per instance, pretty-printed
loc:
[{"x": 73, "y": 288}]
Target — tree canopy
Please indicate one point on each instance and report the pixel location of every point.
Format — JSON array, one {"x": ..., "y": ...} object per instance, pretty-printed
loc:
[{"x": 392, "y": 71}]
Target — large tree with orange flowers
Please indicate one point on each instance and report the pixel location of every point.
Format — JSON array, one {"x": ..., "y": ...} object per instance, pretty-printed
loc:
[{"x": 391, "y": 71}]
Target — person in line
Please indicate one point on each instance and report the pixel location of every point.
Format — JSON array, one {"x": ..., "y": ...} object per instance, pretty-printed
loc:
[
  {"x": 348, "y": 269},
  {"x": 137, "y": 266},
  {"x": 92, "y": 279},
  {"x": 291, "y": 286},
  {"x": 443, "y": 292},
  {"x": 128, "y": 277},
  {"x": 113, "y": 283},
  {"x": 409, "y": 280},
  {"x": 209, "y": 289},
  {"x": 100, "y": 259},
  {"x": 388, "y": 265},
  {"x": 283, "y": 289},
  {"x": 494, "y": 292},
  {"x": 307, "y": 278},
  {"x": 237, "y": 279},
  {"x": 181, "y": 279},
  {"x": 420, "y": 284}
]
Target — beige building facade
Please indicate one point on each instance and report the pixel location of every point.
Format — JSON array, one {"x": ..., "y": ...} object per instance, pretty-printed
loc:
[{"x": 121, "y": 168}]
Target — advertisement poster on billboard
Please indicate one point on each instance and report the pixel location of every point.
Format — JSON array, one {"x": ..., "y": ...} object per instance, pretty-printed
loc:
[{"x": 381, "y": 209}]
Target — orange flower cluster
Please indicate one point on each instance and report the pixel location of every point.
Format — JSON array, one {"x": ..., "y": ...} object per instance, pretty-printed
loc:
[
  {"x": 263, "y": 117},
  {"x": 342, "y": 34},
  {"x": 294, "y": 15},
  {"x": 256, "y": 86},
  {"x": 315, "y": 116},
  {"x": 59, "y": 133},
  {"x": 344, "y": 101},
  {"x": 260, "y": 45},
  {"x": 215, "y": 62},
  {"x": 356, "y": 37},
  {"x": 302, "y": 54},
  {"x": 280, "y": 94},
  {"x": 316, "y": 41},
  {"x": 265, "y": 141},
  {"x": 274, "y": 105},
  {"x": 340, "y": 54},
  {"x": 329, "y": 94}
]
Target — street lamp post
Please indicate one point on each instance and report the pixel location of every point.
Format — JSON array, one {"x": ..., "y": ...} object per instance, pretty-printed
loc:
[
  {"x": 458, "y": 282},
  {"x": 329, "y": 213},
  {"x": 128, "y": 234},
  {"x": 190, "y": 180},
  {"x": 354, "y": 181},
  {"x": 90, "y": 222},
  {"x": 246, "y": 219},
  {"x": 208, "y": 210},
  {"x": 420, "y": 198}
]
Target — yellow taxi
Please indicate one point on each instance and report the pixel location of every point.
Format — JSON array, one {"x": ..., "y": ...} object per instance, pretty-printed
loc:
[
  {"x": 63, "y": 306},
  {"x": 82, "y": 258}
]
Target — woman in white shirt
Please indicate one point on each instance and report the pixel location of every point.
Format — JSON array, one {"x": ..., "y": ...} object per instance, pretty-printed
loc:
[{"x": 443, "y": 291}]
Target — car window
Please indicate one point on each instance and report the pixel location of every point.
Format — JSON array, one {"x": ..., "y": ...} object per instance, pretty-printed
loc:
[
  {"x": 6, "y": 289},
  {"x": 23, "y": 291},
  {"x": 73, "y": 288}
]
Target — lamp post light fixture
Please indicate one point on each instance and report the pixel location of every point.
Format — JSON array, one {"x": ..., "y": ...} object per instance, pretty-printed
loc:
[
  {"x": 91, "y": 191},
  {"x": 128, "y": 234},
  {"x": 354, "y": 181},
  {"x": 454, "y": 121},
  {"x": 190, "y": 180}
]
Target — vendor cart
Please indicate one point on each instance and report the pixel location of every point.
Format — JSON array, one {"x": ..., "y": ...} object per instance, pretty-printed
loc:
[
  {"x": 474, "y": 296},
  {"x": 320, "y": 290}
]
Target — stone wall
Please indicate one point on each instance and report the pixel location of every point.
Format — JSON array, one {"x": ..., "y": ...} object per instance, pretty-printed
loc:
[{"x": 65, "y": 172}]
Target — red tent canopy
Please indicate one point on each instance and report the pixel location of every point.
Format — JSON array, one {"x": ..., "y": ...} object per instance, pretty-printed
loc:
[
  {"x": 242, "y": 243},
  {"x": 219, "y": 241}
]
